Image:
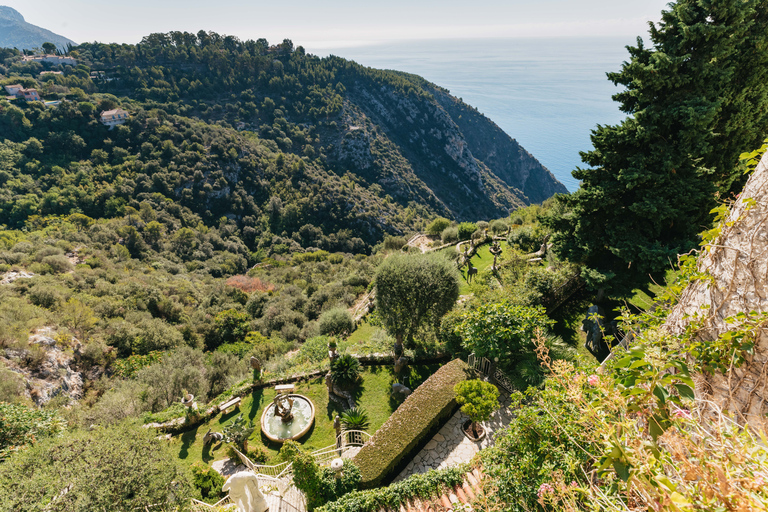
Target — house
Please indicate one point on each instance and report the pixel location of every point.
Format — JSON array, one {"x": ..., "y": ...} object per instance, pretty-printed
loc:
[
  {"x": 29, "y": 94},
  {"x": 114, "y": 117},
  {"x": 51, "y": 59},
  {"x": 13, "y": 90},
  {"x": 43, "y": 73}
]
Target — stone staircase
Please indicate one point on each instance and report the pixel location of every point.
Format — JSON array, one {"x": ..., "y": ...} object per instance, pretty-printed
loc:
[{"x": 459, "y": 498}]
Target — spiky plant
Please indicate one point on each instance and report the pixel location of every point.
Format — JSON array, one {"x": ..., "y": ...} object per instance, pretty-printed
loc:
[
  {"x": 345, "y": 371},
  {"x": 355, "y": 419}
]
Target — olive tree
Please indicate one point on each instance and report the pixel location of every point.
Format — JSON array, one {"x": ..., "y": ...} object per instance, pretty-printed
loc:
[{"x": 413, "y": 289}]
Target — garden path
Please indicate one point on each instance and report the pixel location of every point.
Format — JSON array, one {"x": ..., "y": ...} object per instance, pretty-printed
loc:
[{"x": 450, "y": 446}]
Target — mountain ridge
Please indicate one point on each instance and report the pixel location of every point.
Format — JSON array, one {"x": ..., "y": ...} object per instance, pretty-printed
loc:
[{"x": 15, "y": 32}]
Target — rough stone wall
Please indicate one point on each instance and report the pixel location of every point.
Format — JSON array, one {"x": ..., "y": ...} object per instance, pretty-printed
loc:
[{"x": 738, "y": 264}]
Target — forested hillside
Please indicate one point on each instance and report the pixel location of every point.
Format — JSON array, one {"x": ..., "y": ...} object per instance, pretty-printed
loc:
[{"x": 300, "y": 152}]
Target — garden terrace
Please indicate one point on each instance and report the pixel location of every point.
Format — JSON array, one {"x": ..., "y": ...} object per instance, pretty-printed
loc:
[
  {"x": 373, "y": 395},
  {"x": 432, "y": 403}
]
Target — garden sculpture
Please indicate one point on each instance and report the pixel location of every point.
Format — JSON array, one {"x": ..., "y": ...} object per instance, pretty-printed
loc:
[
  {"x": 244, "y": 492},
  {"x": 400, "y": 363},
  {"x": 329, "y": 383},
  {"x": 495, "y": 250},
  {"x": 188, "y": 400},
  {"x": 471, "y": 271},
  {"x": 255, "y": 363},
  {"x": 400, "y": 389},
  {"x": 212, "y": 437},
  {"x": 283, "y": 410}
]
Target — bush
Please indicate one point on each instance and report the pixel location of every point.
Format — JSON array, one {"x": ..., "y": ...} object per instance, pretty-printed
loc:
[
  {"x": 336, "y": 322},
  {"x": 437, "y": 226},
  {"x": 422, "y": 412},
  {"x": 121, "y": 467},
  {"x": 450, "y": 235},
  {"x": 466, "y": 229},
  {"x": 345, "y": 371},
  {"x": 391, "y": 497},
  {"x": 58, "y": 263},
  {"x": 478, "y": 400},
  {"x": 526, "y": 239},
  {"x": 21, "y": 425},
  {"x": 314, "y": 350},
  {"x": 208, "y": 481},
  {"x": 498, "y": 227}
]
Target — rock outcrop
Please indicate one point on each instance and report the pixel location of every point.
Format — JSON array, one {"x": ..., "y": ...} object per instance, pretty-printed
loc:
[{"x": 737, "y": 263}]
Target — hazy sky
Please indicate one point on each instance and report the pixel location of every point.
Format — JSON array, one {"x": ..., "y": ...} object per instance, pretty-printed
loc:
[{"x": 335, "y": 23}]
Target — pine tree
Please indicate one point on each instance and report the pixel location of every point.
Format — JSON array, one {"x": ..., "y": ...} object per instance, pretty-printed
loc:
[{"x": 696, "y": 99}]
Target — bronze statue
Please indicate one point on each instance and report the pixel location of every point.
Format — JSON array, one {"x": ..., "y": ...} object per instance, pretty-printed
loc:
[{"x": 282, "y": 410}]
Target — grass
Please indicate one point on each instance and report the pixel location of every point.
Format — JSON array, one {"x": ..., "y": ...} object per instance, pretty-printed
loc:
[
  {"x": 482, "y": 260},
  {"x": 373, "y": 395}
]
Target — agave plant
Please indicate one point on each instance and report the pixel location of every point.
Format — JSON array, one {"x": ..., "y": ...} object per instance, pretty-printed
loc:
[
  {"x": 345, "y": 371},
  {"x": 355, "y": 419}
]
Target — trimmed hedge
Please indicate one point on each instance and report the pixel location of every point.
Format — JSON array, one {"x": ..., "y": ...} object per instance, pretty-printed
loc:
[
  {"x": 424, "y": 485},
  {"x": 431, "y": 404}
]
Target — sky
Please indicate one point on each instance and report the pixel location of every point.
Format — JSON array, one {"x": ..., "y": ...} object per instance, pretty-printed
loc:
[{"x": 317, "y": 24}]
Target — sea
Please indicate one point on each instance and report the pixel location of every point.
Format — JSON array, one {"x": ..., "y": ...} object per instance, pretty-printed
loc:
[{"x": 547, "y": 93}]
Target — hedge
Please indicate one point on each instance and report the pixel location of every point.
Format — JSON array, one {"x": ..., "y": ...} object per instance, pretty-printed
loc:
[
  {"x": 423, "y": 485},
  {"x": 431, "y": 404}
]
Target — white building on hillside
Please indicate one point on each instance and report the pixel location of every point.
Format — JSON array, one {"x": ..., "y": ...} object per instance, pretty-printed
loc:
[{"x": 114, "y": 117}]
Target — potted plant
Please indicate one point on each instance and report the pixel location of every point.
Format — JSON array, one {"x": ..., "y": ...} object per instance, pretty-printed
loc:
[{"x": 478, "y": 400}]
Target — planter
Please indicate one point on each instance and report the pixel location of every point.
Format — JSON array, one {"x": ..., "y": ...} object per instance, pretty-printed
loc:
[{"x": 466, "y": 427}]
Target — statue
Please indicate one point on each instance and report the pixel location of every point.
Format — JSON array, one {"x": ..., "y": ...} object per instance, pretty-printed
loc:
[
  {"x": 329, "y": 383},
  {"x": 212, "y": 437},
  {"x": 282, "y": 410},
  {"x": 244, "y": 492},
  {"x": 337, "y": 425},
  {"x": 471, "y": 271},
  {"x": 400, "y": 389},
  {"x": 400, "y": 363},
  {"x": 495, "y": 250},
  {"x": 255, "y": 364}
]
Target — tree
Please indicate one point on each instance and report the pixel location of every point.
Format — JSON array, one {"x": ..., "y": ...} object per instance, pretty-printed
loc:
[
  {"x": 478, "y": 400},
  {"x": 49, "y": 48},
  {"x": 502, "y": 332},
  {"x": 697, "y": 98},
  {"x": 438, "y": 225},
  {"x": 335, "y": 322},
  {"x": 123, "y": 467},
  {"x": 413, "y": 289}
]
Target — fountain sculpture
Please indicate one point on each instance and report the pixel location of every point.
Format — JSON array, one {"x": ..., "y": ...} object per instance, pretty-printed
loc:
[{"x": 289, "y": 416}]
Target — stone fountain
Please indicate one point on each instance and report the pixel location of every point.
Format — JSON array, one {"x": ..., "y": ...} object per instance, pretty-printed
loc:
[{"x": 289, "y": 416}]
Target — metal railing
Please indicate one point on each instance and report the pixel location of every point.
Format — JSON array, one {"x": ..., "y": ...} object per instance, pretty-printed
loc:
[
  {"x": 484, "y": 366},
  {"x": 201, "y": 506}
]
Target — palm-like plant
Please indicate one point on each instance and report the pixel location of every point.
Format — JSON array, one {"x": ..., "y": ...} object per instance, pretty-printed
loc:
[
  {"x": 355, "y": 419},
  {"x": 345, "y": 371}
]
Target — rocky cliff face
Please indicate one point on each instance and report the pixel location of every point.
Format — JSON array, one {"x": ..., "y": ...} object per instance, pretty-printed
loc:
[{"x": 437, "y": 151}]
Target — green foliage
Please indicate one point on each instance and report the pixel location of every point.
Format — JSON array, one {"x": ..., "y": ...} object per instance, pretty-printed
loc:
[
  {"x": 503, "y": 332},
  {"x": 128, "y": 367},
  {"x": 450, "y": 235},
  {"x": 355, "y": 419},
  {"x": 21, "y": 425},
  {"x": 208, "y": 481},
  {"x": 423, "y": 485},
  {"x": 478, "y": 399},
  {"x": 306, "y": 473},
  {"x": 95, "y": 470},
  {"x": 697, "y": 99},
  {"x": 345, "y": 371},
  {"x": 437, "y": 226},
  {"x": 423, "y": 411},
  {"x": 414, "y": 289},
  {"x": 336, "y": 322},
  {"x": 230, "y": 326},
  {"x": 238, "y": 432},
  {"x": 466, "y": 229}
]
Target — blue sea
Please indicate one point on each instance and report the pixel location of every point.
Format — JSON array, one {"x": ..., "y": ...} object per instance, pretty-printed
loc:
[{"x": 548, "y": 94}]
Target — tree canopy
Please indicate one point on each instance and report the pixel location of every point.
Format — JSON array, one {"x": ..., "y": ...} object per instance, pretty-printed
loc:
[
  {"x": 697, "y": 98},
  {"x": 413, "y": 289}
]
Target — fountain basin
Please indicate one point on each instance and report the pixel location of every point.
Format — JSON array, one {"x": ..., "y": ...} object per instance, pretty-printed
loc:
[{"x": 303, "y": 417}]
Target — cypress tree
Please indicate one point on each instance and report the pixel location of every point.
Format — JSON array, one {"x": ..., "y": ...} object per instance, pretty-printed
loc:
[{"x": 696, "y": 98}]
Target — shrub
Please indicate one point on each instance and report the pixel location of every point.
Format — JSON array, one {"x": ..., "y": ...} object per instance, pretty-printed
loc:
[
  {"x": 450, "y": 235},
  {"x": 314, "y": 350},
  {"x": 466, "y": 229},
  {"x": 230, "y": 326},
  {"x": 121, "y": 467},
  {"x": 21, "y": 425},
  {"x": 11, "y": 386},
  {"x": 422, "y": 412},
  {"x": 437, "y": 226},
  {"x": 478, "y": 400},
  {"x": 526, "y": 239},
  {"x": 355, "y": 419},
  {"x": 58, "y": 263},
  {"x": 498, "y": 227},
  {"x": 238, "y": 432},
  {"x": 391, "y": 497},
  {"x": 208, "y": 481},
  {"x": 336, "y": 322},
  {"x": 345, "y": 371}
]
